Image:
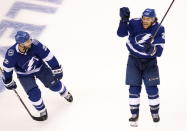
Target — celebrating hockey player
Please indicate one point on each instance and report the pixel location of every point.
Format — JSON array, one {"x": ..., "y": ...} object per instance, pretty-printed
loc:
[
  {"x": 142, "y": 61},
  {"x": 30, "y": 59}
]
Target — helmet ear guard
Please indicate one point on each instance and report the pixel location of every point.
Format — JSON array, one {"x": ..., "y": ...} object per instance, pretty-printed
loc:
[{"x": 21, "y": 37}]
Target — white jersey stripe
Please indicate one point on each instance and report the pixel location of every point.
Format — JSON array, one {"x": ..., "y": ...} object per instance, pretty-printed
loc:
[
  {"x": 141, "y": 53},
  {"x": 37, "y": 103},
  {"x": 48, "y": 57},
  {"x": 160, "y": 44},
  {"x": 8, "y": 69},
  {"x": 134, "y": 50},
  {"x": 29, "y": 72}
]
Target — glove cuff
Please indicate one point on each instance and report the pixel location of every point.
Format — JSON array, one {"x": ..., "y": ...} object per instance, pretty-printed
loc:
[
  {"x": 12, "y": 83},
  {"x": 124, "y": 20},
  {"x": 154, "y": 51},
  {"x": 57, "y": 71}
]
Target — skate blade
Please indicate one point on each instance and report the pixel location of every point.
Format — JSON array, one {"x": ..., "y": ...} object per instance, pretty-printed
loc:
[{"x": 134, "y": 124}]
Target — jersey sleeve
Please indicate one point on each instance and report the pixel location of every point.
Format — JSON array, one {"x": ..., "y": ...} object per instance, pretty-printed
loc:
[
  {"x": 122, "y": 29},
  {"x": 9, "y": 64},
  {"x": 125, "y": 29},
  {"x": 45, "y": 54},
  {"x": 159, "y": 41}
]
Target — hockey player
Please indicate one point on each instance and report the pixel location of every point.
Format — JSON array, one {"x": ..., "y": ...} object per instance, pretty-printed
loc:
[
  {"x": 142, "y": 60},
  {"x": 30, "y": 59}
]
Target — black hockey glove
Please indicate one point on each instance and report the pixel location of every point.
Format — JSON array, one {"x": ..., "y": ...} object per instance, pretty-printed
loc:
[
  {"x": 10, "y": 84},
  {"x": 58, "y": 73},
  {"x": 149, "y": 48},
  {"x": 124, "y": 14}
]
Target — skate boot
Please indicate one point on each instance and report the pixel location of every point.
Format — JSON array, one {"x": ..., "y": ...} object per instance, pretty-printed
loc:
[
  {"x": 43, "y": 114},
  {"x": 155, "y": 117},
  {"x": 67, "y": 95},
  {"x": 133, "y": 120}
]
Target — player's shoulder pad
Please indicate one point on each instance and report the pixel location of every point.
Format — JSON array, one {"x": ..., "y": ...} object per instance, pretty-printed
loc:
[
  {"x": 39, "y": 45},
  {"x": 35, "y": 42},
  {"x": 161, "y": 26},
  {"x": 135, "y": 19},
  {"x": 10, "y": 55},
  {"x": 11, "y": 51},
  {"x": 162, "y": 29}
]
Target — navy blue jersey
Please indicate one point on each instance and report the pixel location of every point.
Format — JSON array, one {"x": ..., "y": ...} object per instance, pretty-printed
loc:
[
  {"x": 138, "y": 36},
  {"x": 29, "y": 63}
]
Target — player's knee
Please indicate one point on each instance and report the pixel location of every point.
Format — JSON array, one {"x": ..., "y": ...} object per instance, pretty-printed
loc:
[
  {"x": 34, "y": 94},
  {"x": 134, "y": 91},
  {"x": 152, "y": 90},
  {"x": 56, "y": 87}
]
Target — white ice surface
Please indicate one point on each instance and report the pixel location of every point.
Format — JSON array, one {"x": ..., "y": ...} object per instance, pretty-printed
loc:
[{"x": 82, "y": 35}]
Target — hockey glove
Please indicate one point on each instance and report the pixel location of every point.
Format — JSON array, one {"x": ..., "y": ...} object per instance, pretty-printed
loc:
[
  {"x": 58, "y": 73},
  {"x": 124, "y": 14},
  {"x": 10, "y": 84},
  {"x": 149, "y": 48}
]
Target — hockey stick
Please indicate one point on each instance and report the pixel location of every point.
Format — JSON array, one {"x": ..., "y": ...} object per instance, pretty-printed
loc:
[
  {"x": 33, "y": 117},
  {"x": 161, "y": 21}
]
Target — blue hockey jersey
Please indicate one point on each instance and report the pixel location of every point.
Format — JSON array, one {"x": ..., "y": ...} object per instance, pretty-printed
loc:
[
  {"x": 138, "y": 36},
  {"x": 29, "y": 63}
]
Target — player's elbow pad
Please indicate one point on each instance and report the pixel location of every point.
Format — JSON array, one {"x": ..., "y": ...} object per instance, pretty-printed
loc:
[
  {"x": 159, "y": 51},
  {"x": 122, "y": 30},
  {"x": 122, "y": 33}
]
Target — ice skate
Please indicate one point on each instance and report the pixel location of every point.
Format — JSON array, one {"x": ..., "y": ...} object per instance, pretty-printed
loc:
[
  {"x": 43, "y": 114},
  {"x": 67, "y": 95},
  {"x": 155, "y": 117},
  {"x": 134, "y": 120}
]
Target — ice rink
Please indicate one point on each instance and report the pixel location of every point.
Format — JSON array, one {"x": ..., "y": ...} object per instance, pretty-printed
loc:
[{"x": 82, "y": 35}]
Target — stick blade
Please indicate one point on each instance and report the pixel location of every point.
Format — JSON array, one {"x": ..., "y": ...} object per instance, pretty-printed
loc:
[{"x": 43, "y": 118}]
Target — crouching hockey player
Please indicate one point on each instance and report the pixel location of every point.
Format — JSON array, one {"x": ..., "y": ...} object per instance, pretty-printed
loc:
[
  {"x": 142, "y": 60},
  {"x": 30, "y": 59}
]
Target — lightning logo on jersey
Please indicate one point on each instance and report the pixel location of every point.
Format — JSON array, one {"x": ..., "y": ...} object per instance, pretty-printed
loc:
[
  {"x": 142, "y": 38},
  {"x": 28, "y": 66}
]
